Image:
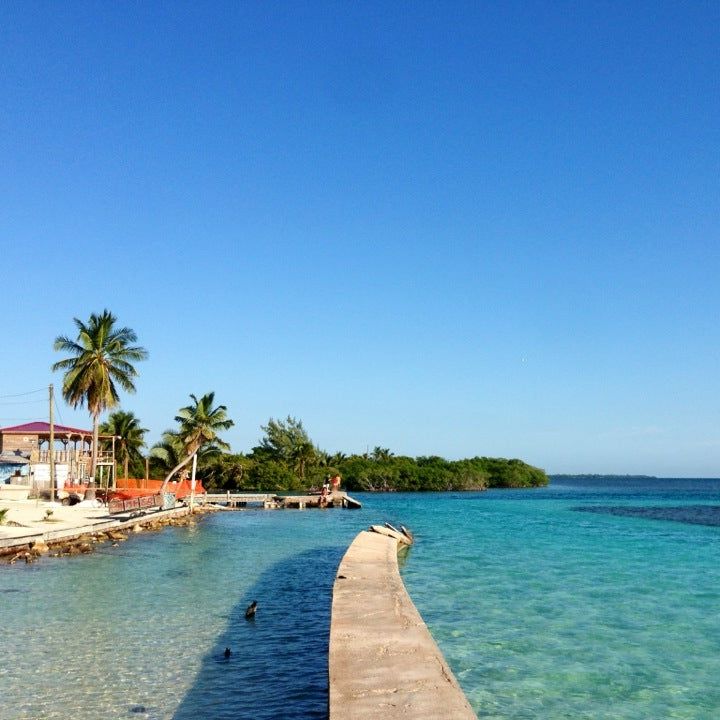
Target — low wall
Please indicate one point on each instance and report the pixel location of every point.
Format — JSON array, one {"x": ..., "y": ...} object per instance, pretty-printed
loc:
[
  {"x": 26, "y": 536},
  {"x": 14, "y": 492},
  {"x": 383, "y": 662}
]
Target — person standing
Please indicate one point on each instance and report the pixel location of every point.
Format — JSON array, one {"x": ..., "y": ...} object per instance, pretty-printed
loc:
[{"x": 335, "y": 482}]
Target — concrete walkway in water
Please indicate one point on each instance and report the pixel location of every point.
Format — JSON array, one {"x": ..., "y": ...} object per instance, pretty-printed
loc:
[
  {"x": 28, "y": 522},
  {"x": 383, "y": 662}
]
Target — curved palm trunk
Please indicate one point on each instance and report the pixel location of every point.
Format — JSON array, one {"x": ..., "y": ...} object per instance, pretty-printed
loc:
[{"x": 179, "y": 466}]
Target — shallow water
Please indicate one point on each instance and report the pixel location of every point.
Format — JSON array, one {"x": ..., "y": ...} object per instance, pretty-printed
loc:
[{"x": 582, "y": 600}]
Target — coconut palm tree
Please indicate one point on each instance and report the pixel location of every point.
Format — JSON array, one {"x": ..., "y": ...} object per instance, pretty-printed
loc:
[
  {"x": 101, "y": 356},
  {"x": 200, "y": 423},
  {"x": 130, "y": 436},
  {"x": 303, "y": 454},
  {"x": 170, "y": 451},
  {"x": 381, "y": 454}
]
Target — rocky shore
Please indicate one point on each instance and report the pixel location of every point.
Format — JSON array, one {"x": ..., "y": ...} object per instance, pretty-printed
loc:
[{"x": 84, "y": 538}]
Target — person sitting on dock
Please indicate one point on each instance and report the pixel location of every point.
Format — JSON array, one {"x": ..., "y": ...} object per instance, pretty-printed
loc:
[{"x": 335, "y": 483}]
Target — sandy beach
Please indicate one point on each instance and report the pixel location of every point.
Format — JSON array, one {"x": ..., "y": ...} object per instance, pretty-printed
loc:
[{"x": 37, "y": 521}]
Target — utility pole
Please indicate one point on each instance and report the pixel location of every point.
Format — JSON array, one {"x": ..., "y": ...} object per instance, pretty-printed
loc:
[{"x": 51, "y": 451}]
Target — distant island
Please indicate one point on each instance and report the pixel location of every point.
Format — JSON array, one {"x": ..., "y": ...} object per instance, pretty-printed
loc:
[{"x": 601, "y": 476}]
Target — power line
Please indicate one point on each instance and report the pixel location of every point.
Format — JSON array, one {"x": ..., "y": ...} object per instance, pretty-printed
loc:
[
  {"x": 57, "y": 408},
  {"x": 29, "y": 392}
]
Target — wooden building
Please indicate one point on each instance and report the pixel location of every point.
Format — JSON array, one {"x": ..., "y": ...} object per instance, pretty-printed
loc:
[{"x": 72, "y": 452}]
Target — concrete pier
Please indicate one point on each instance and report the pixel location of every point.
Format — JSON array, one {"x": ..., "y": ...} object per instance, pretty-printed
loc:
[
  {"x": 69, "y": 524},
  {"x": 383, "y": 662}
]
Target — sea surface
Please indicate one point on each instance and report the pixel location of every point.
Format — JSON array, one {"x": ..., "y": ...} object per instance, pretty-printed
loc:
[{"x": 592, "y": 598}]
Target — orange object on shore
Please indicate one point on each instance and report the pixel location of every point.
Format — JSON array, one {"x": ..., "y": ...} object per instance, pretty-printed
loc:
[{"x": 133, "y": 487}]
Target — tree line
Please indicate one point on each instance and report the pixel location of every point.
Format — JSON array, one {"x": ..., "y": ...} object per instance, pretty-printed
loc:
[{"x": 285, "y": 459}]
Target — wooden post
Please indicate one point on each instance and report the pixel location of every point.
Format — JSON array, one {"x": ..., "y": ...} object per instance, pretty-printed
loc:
[
  {"x": 192, "y": 483},
  {"x": 114, "y": 465},
  {"x": 52, "y": 444}
]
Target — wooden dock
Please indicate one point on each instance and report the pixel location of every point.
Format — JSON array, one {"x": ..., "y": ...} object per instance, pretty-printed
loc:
[
  {"x": 271, "y": 501},
  {"x": 239, "y": 500}
]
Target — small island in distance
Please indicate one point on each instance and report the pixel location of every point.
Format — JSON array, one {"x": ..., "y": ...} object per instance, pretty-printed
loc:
[{"x": 600, "y": 476}]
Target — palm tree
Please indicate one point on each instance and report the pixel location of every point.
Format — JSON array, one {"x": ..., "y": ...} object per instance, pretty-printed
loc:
[
  {"x": 126, "y": 427},
  {"x": 322, "y": 457},
  {"x": 303, "y": 454},
  {"x": 381, "y": 454},
  {"x": 102, "y": 356},
  {"x": 170, "y": 451},
  {"x": 200, "y": 423}
]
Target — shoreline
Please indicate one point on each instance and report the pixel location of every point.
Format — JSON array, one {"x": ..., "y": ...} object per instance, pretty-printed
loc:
[{"x": 28, "y": 531}]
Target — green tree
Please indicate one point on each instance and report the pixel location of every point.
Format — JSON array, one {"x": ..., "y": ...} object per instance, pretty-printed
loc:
[
  {"x": 101, "y": 357},
  {"x": 223, "y": 471},
  {"x": 170, "y": 451},
  {"x": 130, "y": 437},
  {"x": 200, "y": 423},
  {"x": 272, "y": 475},
  {"x": 304, "y": 454},
  {"x": 381, "y": 454},
  {"x": 282, "y": 439},
  {"x": 167, "y": 453}
]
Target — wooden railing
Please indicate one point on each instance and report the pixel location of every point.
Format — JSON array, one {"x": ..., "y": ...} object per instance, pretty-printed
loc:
[{"x": 70, "y": 456}]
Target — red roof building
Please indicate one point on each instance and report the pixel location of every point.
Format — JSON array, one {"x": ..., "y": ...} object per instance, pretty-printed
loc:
[
  {"x": 72, "y": 451},
  {"x": 43, "y": 428}
]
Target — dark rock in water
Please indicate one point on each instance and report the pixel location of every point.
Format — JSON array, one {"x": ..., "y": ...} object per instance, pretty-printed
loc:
[
  {"x": 689, "y": 514},
  {"x": 138, "y": 709}
]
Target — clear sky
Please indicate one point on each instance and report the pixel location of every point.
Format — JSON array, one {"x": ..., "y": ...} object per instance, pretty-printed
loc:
[{"x": 483, "y": 228}]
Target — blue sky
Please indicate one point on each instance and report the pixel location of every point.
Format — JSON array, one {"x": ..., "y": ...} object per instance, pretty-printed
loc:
[{"x": 444, "y": 228}]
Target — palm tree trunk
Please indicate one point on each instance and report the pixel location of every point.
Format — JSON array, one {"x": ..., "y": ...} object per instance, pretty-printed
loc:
[
  {"x": 96, "y": 433},
  {"x": 90, "y": 491},
  {"x": 179, "y": 466},
  {"x": 126, "y": 463}
]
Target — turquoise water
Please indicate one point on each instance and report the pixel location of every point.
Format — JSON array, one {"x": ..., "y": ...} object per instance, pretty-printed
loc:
[{"x": 572, "y": 601}]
